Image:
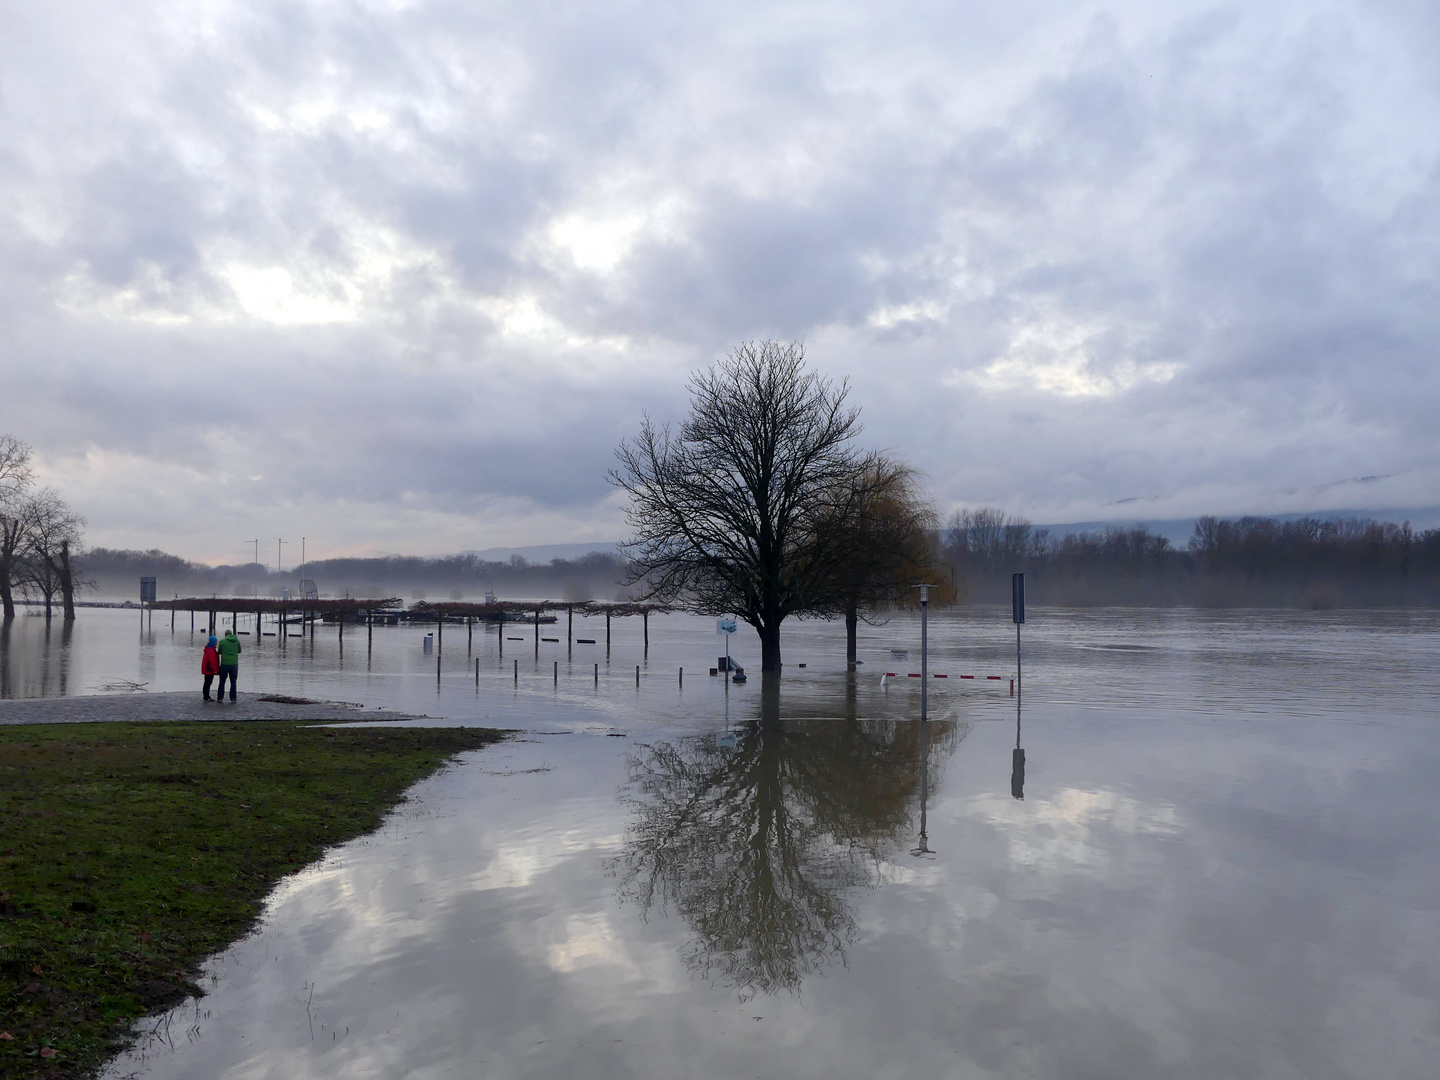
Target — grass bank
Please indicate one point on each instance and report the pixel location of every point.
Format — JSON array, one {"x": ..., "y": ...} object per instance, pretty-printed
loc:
[{"x": 130, "y": 852}]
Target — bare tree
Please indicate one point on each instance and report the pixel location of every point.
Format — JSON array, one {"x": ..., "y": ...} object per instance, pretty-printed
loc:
[
  {"x": 726, "y": 512},
  {"x": 15, "y": 482},
  {"x": 882, "y": 546},
  {"x": 990, "y": 541},
  {"x": 55, "y": 539}
]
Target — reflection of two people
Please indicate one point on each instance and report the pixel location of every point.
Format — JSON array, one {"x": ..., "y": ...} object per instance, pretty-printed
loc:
[{"x": 755, "y": 837}]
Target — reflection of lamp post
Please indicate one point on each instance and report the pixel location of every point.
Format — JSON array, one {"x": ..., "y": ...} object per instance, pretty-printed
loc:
[
  {"x": 924, "y": 848},
  {"x": 1017, "y": 616},
  {"x": 1017, "y": 760}
]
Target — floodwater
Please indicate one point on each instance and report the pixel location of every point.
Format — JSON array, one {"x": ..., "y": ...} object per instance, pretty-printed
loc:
[{"x": 1220, "y": 860}]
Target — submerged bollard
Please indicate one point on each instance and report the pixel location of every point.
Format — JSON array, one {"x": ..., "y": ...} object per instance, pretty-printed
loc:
[
  {"x": 637, "y": 676},
  {"x": 597, "y": 675},
  {"x": 682, "y": 676},
  {"x": 477, "y": 672},
  {"x": 517, "y": 672}
]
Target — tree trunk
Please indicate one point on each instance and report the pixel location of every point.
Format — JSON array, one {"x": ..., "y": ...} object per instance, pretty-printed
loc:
[
  {"x": 769, "y": 646},
  {"x": 6, "y": 597},
  {"x": 852, "y": 621}
]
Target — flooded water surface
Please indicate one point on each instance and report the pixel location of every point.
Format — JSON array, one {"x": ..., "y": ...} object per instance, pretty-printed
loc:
[{"x": 1216, "y": 856}]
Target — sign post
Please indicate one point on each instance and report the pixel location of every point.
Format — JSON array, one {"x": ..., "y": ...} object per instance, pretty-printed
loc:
[
  {"x": 147, "y": 596},
  {"x": 725, "y": 627}
]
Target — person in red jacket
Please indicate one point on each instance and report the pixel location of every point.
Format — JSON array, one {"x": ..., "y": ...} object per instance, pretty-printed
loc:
[{"x": 209, "y": 666}]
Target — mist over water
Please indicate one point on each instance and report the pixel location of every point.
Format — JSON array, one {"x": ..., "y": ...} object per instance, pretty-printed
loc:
[{"x": 1221, "y": 865}]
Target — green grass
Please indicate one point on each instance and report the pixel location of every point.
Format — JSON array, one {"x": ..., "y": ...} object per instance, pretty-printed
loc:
[{"x": 130, "y": 852}]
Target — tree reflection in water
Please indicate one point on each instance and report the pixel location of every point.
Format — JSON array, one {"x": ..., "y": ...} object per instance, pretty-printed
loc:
[{"x": 756, "y": 835}]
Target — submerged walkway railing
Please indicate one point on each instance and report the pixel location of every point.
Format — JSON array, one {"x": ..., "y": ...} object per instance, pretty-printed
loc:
[{"x": 306, "y": 613}]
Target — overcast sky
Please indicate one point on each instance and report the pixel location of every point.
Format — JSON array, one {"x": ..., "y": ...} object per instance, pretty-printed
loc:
[{"x": 398, "y": 276}]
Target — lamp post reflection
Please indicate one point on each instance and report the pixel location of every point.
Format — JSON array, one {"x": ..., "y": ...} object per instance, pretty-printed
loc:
[
  {"x": 756, "y": 839},
  {"x": 923, "y": 850}
]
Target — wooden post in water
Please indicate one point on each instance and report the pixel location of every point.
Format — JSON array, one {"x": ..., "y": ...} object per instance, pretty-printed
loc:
[
  {"x": 500, "y": 634},
  {"x": 607, "y": 634},
  {"x": 569, "y": 629},
  {"x": 469, "y": 635},
  {"x": 537, "y": 629},
  {"x": 645, "y": 617}
]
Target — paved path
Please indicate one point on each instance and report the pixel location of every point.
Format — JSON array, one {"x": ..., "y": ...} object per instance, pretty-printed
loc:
[{"x": 183, "y": 705}]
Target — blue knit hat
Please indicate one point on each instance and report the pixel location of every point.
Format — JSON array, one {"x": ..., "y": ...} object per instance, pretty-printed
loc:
[{"x": 213, "y": 640}]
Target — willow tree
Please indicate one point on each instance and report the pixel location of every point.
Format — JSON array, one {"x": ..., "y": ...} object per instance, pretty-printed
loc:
[
  {"x": 727, "y": 511},
  {"x": 880, "y": 535}
]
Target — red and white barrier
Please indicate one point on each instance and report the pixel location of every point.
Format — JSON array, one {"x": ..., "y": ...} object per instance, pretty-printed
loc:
[{"x": 935, "y": 675}]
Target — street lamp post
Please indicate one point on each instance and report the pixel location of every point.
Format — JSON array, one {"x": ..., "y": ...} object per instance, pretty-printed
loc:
[{"x": 924, "y": 651}]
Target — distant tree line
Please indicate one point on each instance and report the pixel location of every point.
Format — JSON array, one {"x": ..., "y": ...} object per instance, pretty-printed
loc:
[
  {"x": 1242, "y": 562},
  {"x": 41, "y": 538},
  {"x": 593, "y": 577}
]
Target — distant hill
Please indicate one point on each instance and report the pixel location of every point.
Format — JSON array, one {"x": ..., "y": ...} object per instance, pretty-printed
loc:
[{"x": 543, "y": 553}]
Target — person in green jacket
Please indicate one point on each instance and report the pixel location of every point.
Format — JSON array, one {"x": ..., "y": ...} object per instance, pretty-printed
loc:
[{"x": 229, "y": 663}]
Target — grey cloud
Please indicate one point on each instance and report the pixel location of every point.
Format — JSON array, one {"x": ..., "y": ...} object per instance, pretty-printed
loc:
[{"x": 1225, "y": 222}]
